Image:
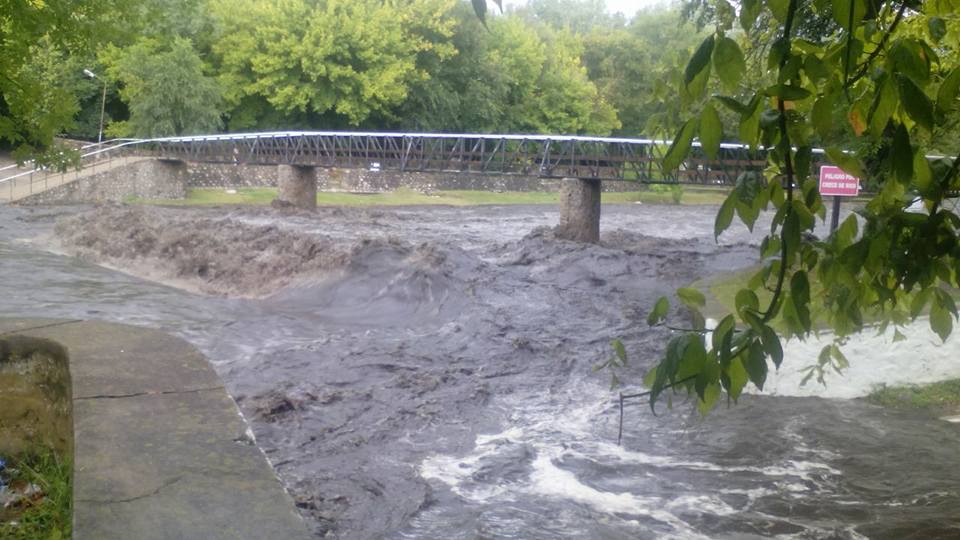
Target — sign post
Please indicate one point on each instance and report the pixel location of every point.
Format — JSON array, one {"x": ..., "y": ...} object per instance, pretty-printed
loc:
[{"x": 835, "y": 182}]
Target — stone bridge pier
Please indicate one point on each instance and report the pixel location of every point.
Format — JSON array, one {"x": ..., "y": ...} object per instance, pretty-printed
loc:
[
  {"x": 297, "y": 186},
  {"x": 579, "y": 210}
]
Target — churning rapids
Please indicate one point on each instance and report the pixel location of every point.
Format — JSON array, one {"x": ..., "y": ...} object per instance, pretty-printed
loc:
[{"x": 426, "y": 372}]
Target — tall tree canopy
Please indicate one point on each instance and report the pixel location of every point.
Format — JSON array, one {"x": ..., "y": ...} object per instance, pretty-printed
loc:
[{"x": 35, "y": 104}]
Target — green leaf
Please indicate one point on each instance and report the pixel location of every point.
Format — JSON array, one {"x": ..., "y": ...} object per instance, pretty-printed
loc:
[
  {"x": 480, "y": 8},
  {"x": 898, "y": 336},
  {"x": 946, "y": 301},
  {"x": 620, "y": 350},
  {"x": 680, "y": 147},
  {"x": 843, "y": 9},
  {"x": 800, "y": 297},
  {"x": 791, "y": 231},
  {"x": 711, "y": 395},
  {"x": 847, "y": 231},
  {"x": 738, "y": 378},
  {"x": 883, "y": 107},
  {"x": 750, "y": 122},
  {"x": 800, "y": 287},
  {"x": 919, "y": 302},
  {"x": 824, "y": 357},
  {"x": 779, "y": 9},
  {"x": 772, "y": 346},
  {"x": 847, "y": 162},
  {"x": 650, "y": 377},
  {"x": 941, "y": 321},
  {"x": 659, "y": 311},
  {"x": 731, "y": 104},
  {"x": 909, "y": 59},
  {"x": 726, "y": 325},
  {"x": 937, "y": 27},
  {"x": 839, "y": 359},
  {"x": 822, "y": 114},
  {"x": 902, "y": 155},
  {"x": 728, "y": 62},
  {"x": 756, "y": 365},
  {"x": 725, "y": 215},
  {"x": 699, "y": 61},
  {"x": 692, "y": 298},
  {"x": 916, "y": 102},
  {"x": 947, "y": 95},
  {"x": 711, "y": 131},
  {"x": 747, "y": 299},
  {"x": 749, "y": 10}
]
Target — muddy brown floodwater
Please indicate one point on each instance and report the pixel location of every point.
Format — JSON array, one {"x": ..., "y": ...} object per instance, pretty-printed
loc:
[{"x": 426, "y": 372}]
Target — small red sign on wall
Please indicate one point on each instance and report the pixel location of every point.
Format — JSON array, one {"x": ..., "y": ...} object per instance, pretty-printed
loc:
[{"x": 835, "y": 182}]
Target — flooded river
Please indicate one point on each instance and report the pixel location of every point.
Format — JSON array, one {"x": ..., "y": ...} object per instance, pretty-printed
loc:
[{"x": 426, "y": 372}]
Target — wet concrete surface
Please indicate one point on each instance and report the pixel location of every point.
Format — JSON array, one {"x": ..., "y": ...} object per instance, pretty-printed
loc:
[{"x": 426, "y": 372}]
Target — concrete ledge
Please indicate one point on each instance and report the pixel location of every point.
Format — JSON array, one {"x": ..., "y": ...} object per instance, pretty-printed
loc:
[{"x": 160, "y": 449}]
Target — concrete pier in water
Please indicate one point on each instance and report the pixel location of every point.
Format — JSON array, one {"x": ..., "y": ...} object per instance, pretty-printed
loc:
[{"x": 579, "y": 210}]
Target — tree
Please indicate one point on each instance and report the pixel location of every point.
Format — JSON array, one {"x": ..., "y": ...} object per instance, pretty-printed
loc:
[
  {"x": 633, "y": 65},
  {"x": 336, "y": 62},
  {"x": 33, "y": 106},
  {"x": 884, "y": 266},
  {"x": 165, "y": 88}
]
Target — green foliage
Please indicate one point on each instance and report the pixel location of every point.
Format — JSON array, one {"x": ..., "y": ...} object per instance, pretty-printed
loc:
[
  {"x": 885, "y": 78},
  {"x": 49, "y": 517},
  {"x": 165, "y": 88},
  {"x": 937, "y": 398},
  {"x": 35, "y": 39},
  {"x": 351, "y": 59}
]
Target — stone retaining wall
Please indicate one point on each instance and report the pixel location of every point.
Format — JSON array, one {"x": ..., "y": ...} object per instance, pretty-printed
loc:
[
  {"x": 146, "y": 179},
  {"x": 216, "y": 175}
]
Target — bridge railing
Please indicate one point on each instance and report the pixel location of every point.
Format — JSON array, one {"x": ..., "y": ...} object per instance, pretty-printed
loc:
[
  {"x": 98, "y": 156},
  {"x": 525, "y": 155}
]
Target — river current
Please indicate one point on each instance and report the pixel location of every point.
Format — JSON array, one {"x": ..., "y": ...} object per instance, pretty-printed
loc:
[{"x": 426, "y": 372}]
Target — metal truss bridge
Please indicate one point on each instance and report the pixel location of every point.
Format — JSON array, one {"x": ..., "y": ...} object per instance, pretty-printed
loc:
[{"x": 544, "y": 156}]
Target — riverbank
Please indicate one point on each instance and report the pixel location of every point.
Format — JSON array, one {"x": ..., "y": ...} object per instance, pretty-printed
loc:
[{"x": 939, "y": 399}]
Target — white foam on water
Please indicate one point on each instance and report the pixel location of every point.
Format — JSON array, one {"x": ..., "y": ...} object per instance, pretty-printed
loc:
[
  {"x": 874, "y": 360},
  {"x": 552, "y": 481}
]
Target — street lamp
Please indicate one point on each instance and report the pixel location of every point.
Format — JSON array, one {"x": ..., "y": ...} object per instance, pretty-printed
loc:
[{"x": 103, "y": 102}]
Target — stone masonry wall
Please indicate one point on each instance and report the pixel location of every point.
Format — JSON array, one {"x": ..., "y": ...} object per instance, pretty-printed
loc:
[
  {"x": 214, "y": 175},
  {"x": 147, "y": 179}
]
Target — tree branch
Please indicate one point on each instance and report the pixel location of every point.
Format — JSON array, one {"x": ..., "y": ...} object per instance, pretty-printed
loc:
[
  {"x": 862, "y": 69},
  {"x": 788, "y": 169}
]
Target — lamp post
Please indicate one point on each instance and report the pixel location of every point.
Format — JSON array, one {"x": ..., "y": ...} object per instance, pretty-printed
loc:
[{"x": 103, "y": 102}]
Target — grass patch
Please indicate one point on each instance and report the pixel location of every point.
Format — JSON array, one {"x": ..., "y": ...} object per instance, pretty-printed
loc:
[
  {"x": 409, "y": 197},
  {"x": 937, "y": 398},
  {"x": 45, "y": 511}
]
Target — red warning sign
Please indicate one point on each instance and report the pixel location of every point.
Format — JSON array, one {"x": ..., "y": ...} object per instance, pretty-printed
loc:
[{"x": 835, "y": 182}]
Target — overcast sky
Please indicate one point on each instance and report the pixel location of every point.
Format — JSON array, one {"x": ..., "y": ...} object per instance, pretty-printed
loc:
[{"x": 627, "y": 7}]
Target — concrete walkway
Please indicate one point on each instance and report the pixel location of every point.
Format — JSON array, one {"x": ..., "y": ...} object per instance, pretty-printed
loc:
[{"x": 160, "y": 449}]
